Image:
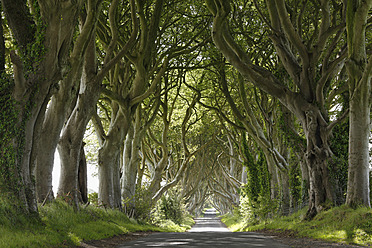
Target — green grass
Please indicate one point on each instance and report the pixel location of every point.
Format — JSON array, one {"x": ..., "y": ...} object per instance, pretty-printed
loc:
[
  {"x": 339, "y": 224},
  {"x": 60, "y": 226}
]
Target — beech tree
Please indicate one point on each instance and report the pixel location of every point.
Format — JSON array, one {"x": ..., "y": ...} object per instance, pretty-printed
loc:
[
  {"x": 311, "y": 54},
  {"x": 359, "y": 71},
  {"x": 91, "y": 87},
  {"x": 43, "y": 31},
  {"x": 60, "y": 105}
]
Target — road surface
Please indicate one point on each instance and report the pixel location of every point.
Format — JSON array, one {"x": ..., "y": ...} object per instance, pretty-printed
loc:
[{"x": 208, "y": 231}]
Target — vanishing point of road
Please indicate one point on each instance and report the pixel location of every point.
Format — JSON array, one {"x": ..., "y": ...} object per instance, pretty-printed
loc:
[{"x": 208, "y": 231}]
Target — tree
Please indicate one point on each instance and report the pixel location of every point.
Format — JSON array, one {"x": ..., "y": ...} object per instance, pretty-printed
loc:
[
  {"x": 61, "y": 104},
  {"x": 43, "y": 32},
  {"x": 310, "y": 53},
  {"x": 359, "y": 71},
  {"x": 90, "y": 90}
]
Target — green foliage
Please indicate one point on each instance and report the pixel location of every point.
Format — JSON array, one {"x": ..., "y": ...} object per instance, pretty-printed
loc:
[
  {"x": 9, "y": 130},
  {"x": 35, "y": 51},
  {"x": 255, "y": 202},
  {"x": 233, "y": 221},
  {"x": 338, "y": 167},
  {"x": 295, "y": 182},
  {"x": 172, "y": 208},
  {"x": 252, "y": 188},
  {"x": 140, "y": 206},
  {"x": 93, "y": 198},
  {"x": 13, "y": 217},
  {"x": 288, "y": 135}
]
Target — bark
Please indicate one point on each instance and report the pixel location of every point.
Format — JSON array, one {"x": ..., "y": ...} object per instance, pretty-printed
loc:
[
  {"x": 20, "y": 21},
  {"x": 132, "y": 156},
  {"x": 305, "y": 184},
  {"x": 284, "y": 178},
  {"x": 83, "y": 177},
  {"x": 50, "y": 134},
  {"x": 359, "y": 71},
  {"x": 128, "y": 179},
  {"x": 109, "y": 161}
]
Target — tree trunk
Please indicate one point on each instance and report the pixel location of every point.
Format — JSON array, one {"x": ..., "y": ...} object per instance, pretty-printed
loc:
[
  {"x": 305, "y": 184},
  {"x": 274, "y": 177},
  {"x": 72, "y": 136},
  {"x": 50, "y": 134},
  {"x": 58, "y": 110},
  {"x": 126, "y": 179},
  {"x": 109, "y": 161},
  {"x": 69, "y": 148},
  {"x": 130, "y": 168},
  {"x": 284, "y": 177},
  {"x": 360, "y": 104},
  {"x": 316, "y": 157},
  {"x": 83, "y": 177},
  {"x": 358, "y": 173}
]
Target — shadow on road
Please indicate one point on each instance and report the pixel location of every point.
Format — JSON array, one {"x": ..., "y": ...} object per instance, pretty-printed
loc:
[{"x": 208, "y": 231}]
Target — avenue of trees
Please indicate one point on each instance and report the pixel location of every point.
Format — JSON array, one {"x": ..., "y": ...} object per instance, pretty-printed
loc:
[{"x": 262, "y": 104}]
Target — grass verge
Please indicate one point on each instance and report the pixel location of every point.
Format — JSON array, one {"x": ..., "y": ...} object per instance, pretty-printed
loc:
[
  {"x": 60, "y": 226},
  {"x": 339, "y": 224}
]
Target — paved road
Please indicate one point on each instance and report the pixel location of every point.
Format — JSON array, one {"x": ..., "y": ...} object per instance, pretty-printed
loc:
[{"x": 207, "y": 232}]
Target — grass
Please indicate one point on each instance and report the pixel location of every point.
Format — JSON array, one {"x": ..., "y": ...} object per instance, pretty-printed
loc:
[
  {"x": 60, "y": 226},
  {"x": 339, "y": 224}
]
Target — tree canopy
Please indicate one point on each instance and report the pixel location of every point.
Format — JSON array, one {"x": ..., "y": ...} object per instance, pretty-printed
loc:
[{"x": 259, "y": 105}]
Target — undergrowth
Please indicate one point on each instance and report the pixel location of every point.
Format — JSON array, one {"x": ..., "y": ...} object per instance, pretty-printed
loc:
[
  {"x": 60, "y": 226},
  {"x": 340, "y": 224}
]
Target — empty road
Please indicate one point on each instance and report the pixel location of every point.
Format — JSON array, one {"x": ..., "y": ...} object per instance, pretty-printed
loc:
[{"x": 208, "y": 231}]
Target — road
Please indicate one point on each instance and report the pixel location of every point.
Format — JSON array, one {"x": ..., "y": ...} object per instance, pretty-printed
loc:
[{"x": 208, "y": 231}]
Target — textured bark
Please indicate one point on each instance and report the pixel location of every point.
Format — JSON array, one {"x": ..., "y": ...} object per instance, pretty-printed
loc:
[
  {"x": 284, "y": 178},
  {"x": 128, "y": 179},
  {"x": 90, "y": 90},
  {"x": 83, "y": 177},
  {"x": 359, "y": 71},
  {"x": 20, "y": 21},
  {"x": 305, "y": 184},
  {"x": 69, "y": 153},
  {"x": 109, "y": 161},
  {"x": 132, "y": 159}
]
